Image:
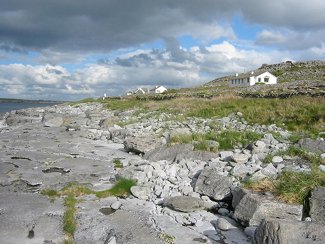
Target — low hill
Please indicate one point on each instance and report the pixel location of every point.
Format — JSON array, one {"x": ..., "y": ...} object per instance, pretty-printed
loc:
[{"x": 287, "y": 72}]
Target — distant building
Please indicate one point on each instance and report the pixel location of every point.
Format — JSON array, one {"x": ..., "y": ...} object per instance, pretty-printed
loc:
[
  {"x": 158, "y": 89},
  {"x": 141, "y": 91},
  {"x": 252, "y": 78}
]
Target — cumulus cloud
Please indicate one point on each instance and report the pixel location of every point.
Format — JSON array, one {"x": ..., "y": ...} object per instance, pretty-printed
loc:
[
  {"x": 173, "y": 67},
  {"x": 53, "y": 36}
]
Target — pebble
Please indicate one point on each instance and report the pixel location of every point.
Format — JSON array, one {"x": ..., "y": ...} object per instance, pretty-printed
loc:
[
  {"x": 116, "y": 205},
  {"x": 224, "y": 224},
  {"x": 277, "y": 159}
]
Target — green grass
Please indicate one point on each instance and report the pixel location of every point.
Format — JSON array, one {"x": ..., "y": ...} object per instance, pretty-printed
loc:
[
  {"x": 298, "y": 113},
  {"x": 49, "y": 192},
  {"x": 293, "y": 151},
  {"x": 117, "y": 163},
  {"x": 121, "y": 189},
  {"x": 229, "y": 139},
  {"x": 293, "y": 187},
  {"x": 69, "y": 221},
  {"x": 226, "y": 139}
]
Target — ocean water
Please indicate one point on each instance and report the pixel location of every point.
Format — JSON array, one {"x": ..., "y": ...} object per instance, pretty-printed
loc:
[{"x": 7, "y": 107}]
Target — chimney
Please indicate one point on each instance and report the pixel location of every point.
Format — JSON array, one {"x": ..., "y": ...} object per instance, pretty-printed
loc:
[
  {"x": 236, "y": 74},
  {"x": 252, "y": 72}
]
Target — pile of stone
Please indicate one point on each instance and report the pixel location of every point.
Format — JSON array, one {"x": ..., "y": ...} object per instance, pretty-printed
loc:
[{"x": 194, "y": 196}]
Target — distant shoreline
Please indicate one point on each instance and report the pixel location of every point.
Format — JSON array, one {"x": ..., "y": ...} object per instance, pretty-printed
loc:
[{"x": 13, "y": 100}]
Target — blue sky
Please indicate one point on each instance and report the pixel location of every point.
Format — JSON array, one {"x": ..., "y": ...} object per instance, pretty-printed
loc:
[{"x": 69, "y": 51}]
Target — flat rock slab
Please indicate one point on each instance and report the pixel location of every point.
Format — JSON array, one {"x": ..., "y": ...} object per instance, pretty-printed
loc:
[
  {"x": 35, "y": 221},
  {"x": 184, "y": 203},
  {"x": 127, "y": 227},
  {"x": 212, "y": 184},
  {"x": 277, "y": 231}
]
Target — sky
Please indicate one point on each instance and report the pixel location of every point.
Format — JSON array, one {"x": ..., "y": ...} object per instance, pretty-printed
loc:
[{"x": 70, "y": 50}]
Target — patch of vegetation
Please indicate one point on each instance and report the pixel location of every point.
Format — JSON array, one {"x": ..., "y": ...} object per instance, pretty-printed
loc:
[
  {"x": 168, "y": 239},
  {"x": 75, "y": 189},
  {"x": 227, "y": 139},
  {"x": 117, "y": 163},
  {"x": 293, "y": 187},
  {"x": 297, "y": 114},
  {"x": 293, "y": 151},
  {"x": 49, "y": 192},
  {"x": 295, "y": 137},
  {"x": 264, "y": 185},
  {"x": 289, "y": 187},
  {"x": 69, "y": 221},
  {"x": 278, "y": 72},
  {"x": 121, "y": 189}
]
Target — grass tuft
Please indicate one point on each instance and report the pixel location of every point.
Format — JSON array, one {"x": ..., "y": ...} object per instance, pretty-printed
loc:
[
  {"x": 117, "y": 163},
  {"x": 289, "y": 187},
  {"x": 121, "y": 189},
  {"x": 49, "y": 192},
  {"x": 293, "y": 187}
]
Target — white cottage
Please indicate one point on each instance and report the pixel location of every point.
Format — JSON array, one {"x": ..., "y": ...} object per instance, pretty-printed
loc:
[
  {"x": 158, "y": 89},
  {"x": 252, "y": 78}
]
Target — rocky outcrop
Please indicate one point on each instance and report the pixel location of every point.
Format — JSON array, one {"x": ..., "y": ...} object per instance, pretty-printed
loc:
[
  {"x": 276, "y": 231},
  {"x": 317, "y": 205},
  {"x": 253, "y": 208}
]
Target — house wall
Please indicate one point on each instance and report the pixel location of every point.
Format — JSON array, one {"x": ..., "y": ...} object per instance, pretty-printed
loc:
[
  {"x": 266, "y": 78},
  {"x": 250, "y": 81},
  {"x": 239, "y": 82}
]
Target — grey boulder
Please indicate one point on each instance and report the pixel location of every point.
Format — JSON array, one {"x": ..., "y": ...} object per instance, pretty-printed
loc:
[
  {"x": 311, "y": 145},
  {"x": 276, "y": 231},
  {"x": 141, "y": 143},
  {"x": 213, "y": 184},
  {"x": 253, "y": 207}
]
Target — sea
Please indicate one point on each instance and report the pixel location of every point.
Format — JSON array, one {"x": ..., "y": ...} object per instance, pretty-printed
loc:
[{"x": 7, "y": 107}]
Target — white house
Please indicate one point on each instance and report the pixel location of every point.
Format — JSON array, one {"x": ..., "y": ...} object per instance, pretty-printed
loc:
[
  {"x": 252, "y": 78},
  {"x": 141, "y": 91},
  {"x": 158, "y": 89}
]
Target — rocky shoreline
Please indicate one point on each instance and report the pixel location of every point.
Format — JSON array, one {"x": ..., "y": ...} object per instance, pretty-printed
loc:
[{"x": 182, "y": 195}]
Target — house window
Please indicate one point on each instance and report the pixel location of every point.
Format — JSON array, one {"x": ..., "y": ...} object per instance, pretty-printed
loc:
[
  {"x": 259, "y": 79},
  {"x": 266, "y": 79}
]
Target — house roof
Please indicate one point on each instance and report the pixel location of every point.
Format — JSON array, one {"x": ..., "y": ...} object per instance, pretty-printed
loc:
[{"x": 248, "y": 74}]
